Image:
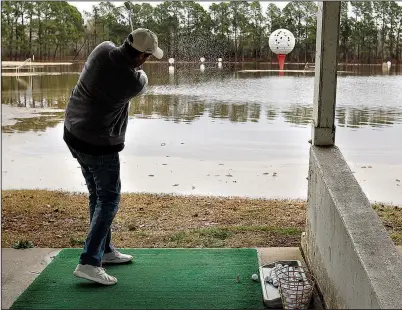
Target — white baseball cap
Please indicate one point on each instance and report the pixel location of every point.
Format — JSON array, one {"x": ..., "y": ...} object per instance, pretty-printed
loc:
[{"x": 144, "y": 40}]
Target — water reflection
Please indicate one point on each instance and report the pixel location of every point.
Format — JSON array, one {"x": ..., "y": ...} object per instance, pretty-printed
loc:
[
  {"x": 181, "y": 109},
  {"x": 37, "y": 91},
  {"x": 298, "y": 115},
  {"x": 168, "y": 107},
  {"x": 187, "y": 94},
  {"x": 359, "y": 117}
]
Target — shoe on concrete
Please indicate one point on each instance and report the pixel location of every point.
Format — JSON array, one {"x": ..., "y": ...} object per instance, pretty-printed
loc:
[
  {"x": 115, "y": 257},
  {"x": 94, "y": 273}
]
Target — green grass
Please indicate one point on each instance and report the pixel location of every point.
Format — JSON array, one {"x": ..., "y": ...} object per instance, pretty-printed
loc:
[
  {"x": 222, "y": 236},
  {"x": 77, "y": 241},
  {"x": 214, "y": 232},
  {"x": 23, "y": 244},
  {"x": 285, "y": 231},
  {"x": 178, "y": 237}
]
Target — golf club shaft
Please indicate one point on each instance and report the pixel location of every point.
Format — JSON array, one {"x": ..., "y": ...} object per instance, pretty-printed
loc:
[
  {"x": 128, "y": 8},
  {"x": 131, "y": 22}
]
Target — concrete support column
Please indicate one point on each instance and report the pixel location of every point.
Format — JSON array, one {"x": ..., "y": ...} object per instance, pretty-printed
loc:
[{"x": 328, "y": 18}]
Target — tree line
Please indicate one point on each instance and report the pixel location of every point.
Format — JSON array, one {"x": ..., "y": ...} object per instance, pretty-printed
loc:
[{"x": 235, "y": 31}]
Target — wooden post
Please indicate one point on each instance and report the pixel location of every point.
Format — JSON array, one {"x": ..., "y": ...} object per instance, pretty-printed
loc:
[{"x": 326, "y": 62}]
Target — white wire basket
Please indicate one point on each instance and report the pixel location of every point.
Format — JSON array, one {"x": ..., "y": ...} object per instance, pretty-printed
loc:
[{"x": 296, "y": 287}]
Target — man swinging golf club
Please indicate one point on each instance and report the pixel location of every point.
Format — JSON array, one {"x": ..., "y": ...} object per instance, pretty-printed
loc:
[{"x": 94, "y": 130}]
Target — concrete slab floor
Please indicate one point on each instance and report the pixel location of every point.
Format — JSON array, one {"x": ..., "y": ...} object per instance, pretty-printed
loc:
[
  {"x": 269, "y": 255},
  {"x": 21, "y": 267}
]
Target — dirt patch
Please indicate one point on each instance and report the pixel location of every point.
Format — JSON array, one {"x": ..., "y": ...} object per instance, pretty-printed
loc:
[{"x": 60, "y": 219}]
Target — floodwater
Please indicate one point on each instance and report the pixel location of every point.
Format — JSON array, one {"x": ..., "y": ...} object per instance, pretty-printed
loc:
[{"x": 221, "y": 131}]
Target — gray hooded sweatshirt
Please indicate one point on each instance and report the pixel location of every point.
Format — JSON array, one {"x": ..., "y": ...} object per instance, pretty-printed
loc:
[{"x": 96, "y": 115}]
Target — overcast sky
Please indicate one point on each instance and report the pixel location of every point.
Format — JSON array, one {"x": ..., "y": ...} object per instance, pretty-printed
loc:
[{"x": 87, "y": 5}]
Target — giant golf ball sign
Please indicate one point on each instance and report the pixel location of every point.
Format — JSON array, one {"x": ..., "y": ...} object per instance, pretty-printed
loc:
[{"x": 281, "y": 41}]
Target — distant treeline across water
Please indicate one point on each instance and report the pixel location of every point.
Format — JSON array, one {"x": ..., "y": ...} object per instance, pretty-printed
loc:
[{"x": 370, "y": 32}]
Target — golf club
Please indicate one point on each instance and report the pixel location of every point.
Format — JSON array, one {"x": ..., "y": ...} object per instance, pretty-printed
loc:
[{"x": 127, "y": 5}]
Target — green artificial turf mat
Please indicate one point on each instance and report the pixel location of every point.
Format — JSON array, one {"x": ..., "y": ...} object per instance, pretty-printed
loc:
[{"x": 156, "y": 279}]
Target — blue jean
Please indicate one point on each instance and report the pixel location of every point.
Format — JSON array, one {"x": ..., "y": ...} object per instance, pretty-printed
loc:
[{"x": 102, "y": 176}]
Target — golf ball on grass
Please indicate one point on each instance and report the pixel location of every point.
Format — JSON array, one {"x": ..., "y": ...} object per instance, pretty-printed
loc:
[{"x": 254, "y": 277}]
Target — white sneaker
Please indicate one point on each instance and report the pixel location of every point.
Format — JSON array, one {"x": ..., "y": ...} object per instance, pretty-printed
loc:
[
  {"x": 115, "y": 257},
  {"x": 93, "y": 273}
]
